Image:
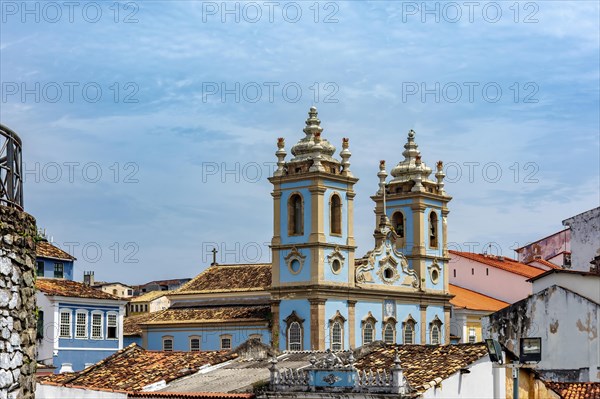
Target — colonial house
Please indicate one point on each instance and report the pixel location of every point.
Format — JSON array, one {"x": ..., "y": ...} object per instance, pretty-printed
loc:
[
  {"x": 564, "y": 311},
  {"x": 77, "y": 324},
  {"x": 160, "y": 285},
  {"x": 149, "y": 302},
  {"x": 316, "y": 294},
  {"x": 53, "y": 262},
  {"x": 114, "y": 288}
]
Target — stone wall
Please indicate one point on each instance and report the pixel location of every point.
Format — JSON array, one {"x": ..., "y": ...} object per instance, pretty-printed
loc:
[{"x": 17, "y": 304}]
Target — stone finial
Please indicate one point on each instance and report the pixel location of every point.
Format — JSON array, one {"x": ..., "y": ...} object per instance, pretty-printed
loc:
[
  {"x": 439, "y": 175},
  {"x": 345, "y": 154},
  {"x": 316, "y": 155},
  {"x": 280, "y": 154},
  {"x": 382, "y": 174}
]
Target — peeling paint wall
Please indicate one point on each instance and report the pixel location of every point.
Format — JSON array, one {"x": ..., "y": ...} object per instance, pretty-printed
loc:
[
  {"x": 585, "y": 238},
  {"x": 567, "y": 323}
]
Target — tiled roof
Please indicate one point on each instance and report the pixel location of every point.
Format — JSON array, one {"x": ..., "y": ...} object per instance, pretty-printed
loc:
[
  {"x": 47, "y": 250},
  {"x": 133, "y": 367},
  {"x": 422, "y": 364},
  {"x": 191, "y": 395},
  {"x": 148, "y": 296},
  {"x": 464, "y": 298},
  {"x": 230, "y": 278},
  {"x": 545, "y": 263},
  {"x": 131, "y": 324},
  {"x": 68, "y": 288},
  {"x": 503, "y": 263},
  {"x": 575, "y": 390},
  {"x": 209, "y": 315}
]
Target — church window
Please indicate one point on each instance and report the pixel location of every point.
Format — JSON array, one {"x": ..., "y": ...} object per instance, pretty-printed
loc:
[
  {"x": 409, "y": 331},
  {"x": 295, "y": 215},
  {"x": 389, "y": 332},
  {"x": 335, "y": 214},
  {"x": 336, "y": 336},
  {"x": 336, "y": 266},
  {"x": 167, "y": 342},
  {"x": 295, "y": 337},
  {"x": 295, "y": 265},
  {"x": 368, "y": 332},
  {"x": 398, "y": 224},
  {"x": 433, "y": 230},
  {"x": 435, "y": 335}
]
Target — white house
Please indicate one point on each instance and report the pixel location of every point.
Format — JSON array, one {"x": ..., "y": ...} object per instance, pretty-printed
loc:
[{"x": 585, "y": 238}]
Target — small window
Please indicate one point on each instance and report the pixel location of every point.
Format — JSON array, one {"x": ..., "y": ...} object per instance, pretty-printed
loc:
[
  {"x": 167, "y": 344},
  {"x": 435, "y": 335},
  {"x": 114, "y": 291},
  {"x": 111, "y": 326},
  {"x": 336, "y": 336},
  {"x": 257, "y": 337},
  {"x": 472, "y": 271},
  {"x": 40, "y": 268},
  {"x": 409, "y": 332},
  {"x": 398, "y": 224},
  {"x": 472, "y": 335},
  {"x": 454, "y": 271},
  {"x": 368, "y": 332},
  {"x": 336, "y": 266},
  {"x": 96, "y": 325},
  {"x": 433, "y": 229},
  {"x": 65, "y": 324},
  {"x": 40, "y": 324},
  {"x": 335, "y": 211},
  {"x": 130, "y": 292},
  {"x": 81, "y": 325},
  {"x": 295, "y": 215},
  {"x": 389, "y": 333},
  {"x": 295, "y": 337},
  {"x": 58, "y": 270},
  {"x": 487, "y": 271},
  {"x": 225, "y": 341},
  {"x": 195, "y": 344}
]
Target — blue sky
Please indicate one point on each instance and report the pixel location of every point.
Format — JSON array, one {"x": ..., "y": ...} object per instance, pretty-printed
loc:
[{"x": 163, "y": 133}]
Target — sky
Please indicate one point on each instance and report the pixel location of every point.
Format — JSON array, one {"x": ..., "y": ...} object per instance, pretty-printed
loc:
[{"x": 150, "y": 128}]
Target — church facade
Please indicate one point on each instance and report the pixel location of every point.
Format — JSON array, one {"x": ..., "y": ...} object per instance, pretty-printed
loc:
[{"x": 317, "y": 293}]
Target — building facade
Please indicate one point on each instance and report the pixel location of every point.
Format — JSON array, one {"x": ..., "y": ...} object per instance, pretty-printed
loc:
[
  {"x": 53, "y": 262},
  {"x": 317, "y": 294}
]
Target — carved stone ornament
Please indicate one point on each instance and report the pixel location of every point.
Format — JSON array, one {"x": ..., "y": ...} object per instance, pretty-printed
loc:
[
  {"x": 336, "y": 255},
  {"x": 292, "y": 256}
]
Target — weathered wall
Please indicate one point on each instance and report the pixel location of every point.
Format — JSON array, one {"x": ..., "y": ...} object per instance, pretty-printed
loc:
[
  {"x": 562, "y": 319},
  {"x": 17, "y": 304},
  {"x": 585, "y": 238},
  {"x": 60, "y": 392}
]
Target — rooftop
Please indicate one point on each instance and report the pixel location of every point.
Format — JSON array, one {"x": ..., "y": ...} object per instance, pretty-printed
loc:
[
  {"x": 68, "y": 288},
  {"x": 423, "y": 365},
  {"x": 148, "y": 296},
  {"x": 209, "y": 315},
  {"x": 133, "y": 368},
  {"x": 229, "y": 278},
  {"x": 545, "y": 263},
  {"x": 575, "y": 390},
  {"x": 500, "y": 262},
  {"x": 44, "y": 249},
  {"x": 467, "y": 299},
  {"x": 563, "y": 271},
  {"x": 131, "y": 324}
]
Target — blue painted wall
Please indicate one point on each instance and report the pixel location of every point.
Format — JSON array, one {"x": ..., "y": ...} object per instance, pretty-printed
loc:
[
  {"x": 210, "y": 338},
  {"x": 49, "y": 267},
  {"x": 131, "y": 340},
  {"x": 302, "y": 308},
  {"x": 285, "y": 274},
  {"x": 433, "y": 311},
  {"x": 331, "y": 308},
  {"x": 361, "y": 311},
  {"x": 403, "y": 310}
]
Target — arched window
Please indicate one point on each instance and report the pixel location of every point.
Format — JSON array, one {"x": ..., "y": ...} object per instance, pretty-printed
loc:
[
  {"x": 389, "y": 332},
  {"x": 398, "y": 224},
  {"x": 295, "y": 337},
  {"x": 409, "y": 331},
  {"x": 368, "y": 333},
  {"x": 335, "y": 214},
  {"x": 433, "y": 230},
  {"x": 336, "y": 336},
  {"x": 295, "y": 215},
  {"x": 435, "y": 335}
]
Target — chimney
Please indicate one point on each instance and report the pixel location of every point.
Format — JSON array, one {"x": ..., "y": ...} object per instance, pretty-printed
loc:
[{"x": 88, "y": 278}]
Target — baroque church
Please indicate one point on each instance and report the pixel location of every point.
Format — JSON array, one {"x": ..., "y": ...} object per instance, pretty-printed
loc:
[{"x": 317, "y": 293}]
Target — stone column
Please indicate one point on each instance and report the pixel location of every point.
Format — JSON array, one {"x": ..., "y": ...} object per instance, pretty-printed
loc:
[
  {"x": 17, "y": 304},
  {"x": 317, "y": 323}
]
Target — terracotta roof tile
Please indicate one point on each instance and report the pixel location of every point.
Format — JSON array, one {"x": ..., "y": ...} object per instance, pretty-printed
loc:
[
  {"x": 503, "y": 263},
  {"x": 464, "y": 298},
  {"x": 209, "y": 315},
  {"x": 422, "y": 364},
  {"x": 148, "y": 296},
  {"x": 47, "y": 250},
  {"x": 68, "y": 288},
  {"x": 230, "y": 278},
  {"x": 131, "y": 324},
  {"x": 192, "y": 395},
  {"x": 575, "y": 390},
  {"x": 133, "y": 368}
]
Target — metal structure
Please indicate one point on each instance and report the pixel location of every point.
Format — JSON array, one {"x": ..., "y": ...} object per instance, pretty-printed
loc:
[{"x": 11, "y": 168}]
